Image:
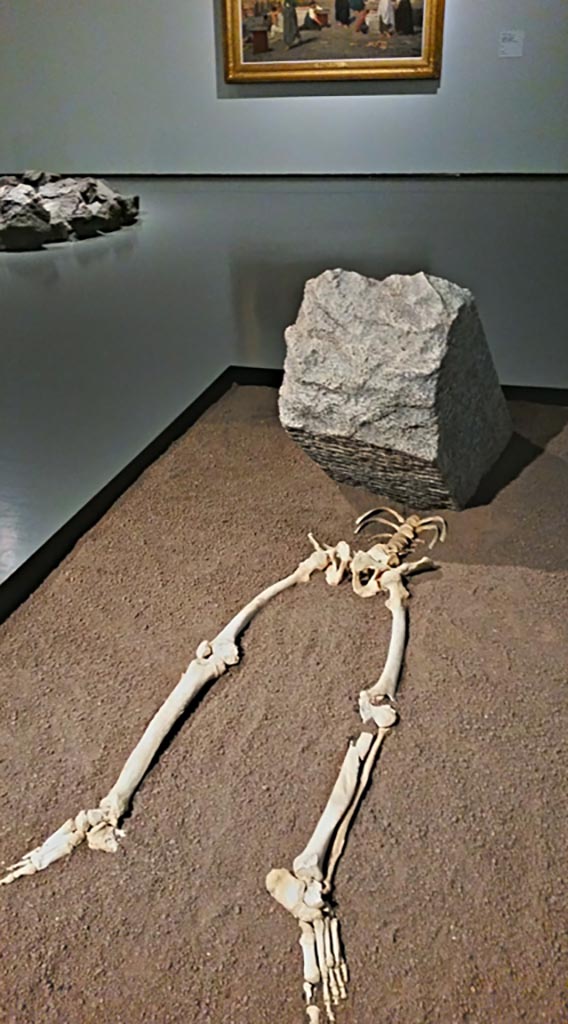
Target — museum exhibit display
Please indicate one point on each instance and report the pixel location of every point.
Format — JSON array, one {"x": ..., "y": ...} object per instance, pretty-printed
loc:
[
  {"x": 283, "y": 493},
  {"x": 250, "y": 774},
  {"x": 305, "y": 892},
  {"x": 293, "y": 40},
  {"x": 38, "y": 208},
  {"x": 390, "y": 385}
]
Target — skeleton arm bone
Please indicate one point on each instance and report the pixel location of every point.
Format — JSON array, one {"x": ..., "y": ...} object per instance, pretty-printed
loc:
[
  {"x": 99, "y": 826},
  {"x": 392, "y": 582},
  {"x": 212, "y": 660}
]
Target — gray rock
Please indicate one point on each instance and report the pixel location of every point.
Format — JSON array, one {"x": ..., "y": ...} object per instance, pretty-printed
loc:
[
  {"x": 390, "y": 385},
  {"x": 37, "y": 178},
  {"x": 130, "y": 208},
  {"x": 24, "y": 223},
  {"x": 43, "y": 207}
]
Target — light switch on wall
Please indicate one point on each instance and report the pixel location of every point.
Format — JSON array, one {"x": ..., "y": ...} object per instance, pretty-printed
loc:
[{"x": 511, "y": 43}]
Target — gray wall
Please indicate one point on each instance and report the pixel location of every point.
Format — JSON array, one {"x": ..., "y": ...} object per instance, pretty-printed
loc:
[
  {"x": 134, "y": 86},
  {"x": 105, "y": 341}
]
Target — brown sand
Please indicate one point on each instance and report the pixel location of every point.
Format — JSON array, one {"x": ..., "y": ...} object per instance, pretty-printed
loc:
[{"x": 450, "y": 891}]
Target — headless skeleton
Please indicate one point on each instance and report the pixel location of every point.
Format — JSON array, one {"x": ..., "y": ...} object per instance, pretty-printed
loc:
[{"x": 304, "y": 891}]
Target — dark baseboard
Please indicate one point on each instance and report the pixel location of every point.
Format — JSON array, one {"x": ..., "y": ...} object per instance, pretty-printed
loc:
[
  {"x": 544, "y": 396},
  {"x": 258, "y": 376},
  {"x": 18, "y": 587}
]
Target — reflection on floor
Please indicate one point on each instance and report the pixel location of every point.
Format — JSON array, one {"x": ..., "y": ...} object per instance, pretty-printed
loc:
[{"x": 105, "y": 343}]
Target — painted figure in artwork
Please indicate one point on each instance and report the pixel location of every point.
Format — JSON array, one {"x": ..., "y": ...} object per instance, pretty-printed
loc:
[
  {"x": 342, "y": 12},
  {"x": 403, "y": 18},
  {"x": 386, "y": 16},
  {"x": 291, "y": 30}
]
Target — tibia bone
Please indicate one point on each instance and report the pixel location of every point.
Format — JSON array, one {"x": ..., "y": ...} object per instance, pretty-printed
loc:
[{"x": 311, "y": 862}]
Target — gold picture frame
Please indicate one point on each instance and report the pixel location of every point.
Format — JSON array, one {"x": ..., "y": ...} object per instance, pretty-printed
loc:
[{"x": 340, "y": 40}]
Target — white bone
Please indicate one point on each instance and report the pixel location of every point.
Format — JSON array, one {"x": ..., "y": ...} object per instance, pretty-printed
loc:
[
  {"x": 99, "y": 825},
  {"x": 392, "y": 582},
  {"x": 369, "y": 517},
  {"x": 345, "y": 824},
  {"x": 308, "y": 943},
  {"x": 363, "y": 562},
  {"x": 310, "y": 863},
  {"x": 330, "y": 962},
  {"x": 289, "y": 892},
  {"x": 340, "y": 559},
  {"x": 320, "y": 946},
  {"x": 338, "y": 957}
]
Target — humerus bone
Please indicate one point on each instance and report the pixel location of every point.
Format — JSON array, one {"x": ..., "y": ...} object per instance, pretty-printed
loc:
[
  {"x": 100, "y": 825},
  {"x": 391, "y": 581}
]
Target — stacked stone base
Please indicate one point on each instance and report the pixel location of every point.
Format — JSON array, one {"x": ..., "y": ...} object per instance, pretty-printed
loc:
[{"x": 404, "y": 478}]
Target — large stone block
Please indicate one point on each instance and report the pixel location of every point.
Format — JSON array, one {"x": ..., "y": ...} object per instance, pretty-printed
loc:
[{"x": 390, "y": 385}]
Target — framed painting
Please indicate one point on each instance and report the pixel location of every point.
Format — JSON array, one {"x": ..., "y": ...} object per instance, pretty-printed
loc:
[{"x": 332, "y": 40}]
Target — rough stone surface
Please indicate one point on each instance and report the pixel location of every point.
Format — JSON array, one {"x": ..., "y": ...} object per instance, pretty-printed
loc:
[
  {"x": 41, "y": 207},
  {"x": 390, "y": 385}
]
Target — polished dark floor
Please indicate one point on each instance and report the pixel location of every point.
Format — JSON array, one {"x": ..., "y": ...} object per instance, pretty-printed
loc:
[{"x": 103, "y": 343}]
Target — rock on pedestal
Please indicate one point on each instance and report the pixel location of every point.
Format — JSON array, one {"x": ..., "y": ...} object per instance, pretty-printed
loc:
[{"x": 390, "y": 385}]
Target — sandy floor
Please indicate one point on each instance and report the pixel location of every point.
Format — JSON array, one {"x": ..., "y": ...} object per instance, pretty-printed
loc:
[{"x": 450, "y": 891}]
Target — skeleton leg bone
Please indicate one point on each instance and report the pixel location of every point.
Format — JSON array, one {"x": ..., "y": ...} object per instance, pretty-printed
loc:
[
  {"x": 99, "y": 826},
  {"x": 302, "y": 891},
  {"x": 310, "y": 863},
  {"x": 314, "y": 868},
  {"x": 341, "y": 834}
]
